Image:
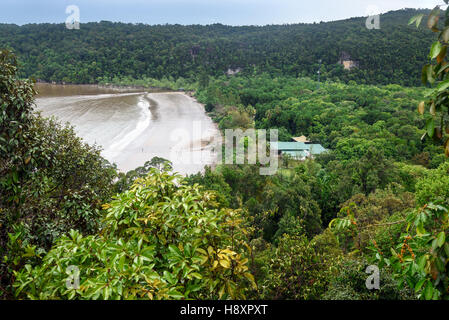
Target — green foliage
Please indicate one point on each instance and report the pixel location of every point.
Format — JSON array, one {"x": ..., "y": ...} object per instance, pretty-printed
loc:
[
  {"x": 126, "y": 180},
  {"x": 209, "y": 107},
  {"x": 409, "y": 175},
  {"x": 419, "y": 260},
  {"x": 300, "y": 269},
  {"x": 291, "y": 201},
  {"x": 162, "y": 239},
  {"x": 362, "y": 217},
  {"x": 433, "y": 187},
  {"x": 118, "y": 52},
  {"x": 276, "y": 204},
  {"x": 236, "y": 118},
  {"x": 390, "y": 229},
  {"x": 50, "y": 181},
  {"x": 372, "y": 133},
  {"x": 350, "y": 284},
  {"x": 15, "y": 123},
  {"x": 348, "y": 119},
  {"x": 214, "y": 181},
  {"x": 435, "y": 73}
]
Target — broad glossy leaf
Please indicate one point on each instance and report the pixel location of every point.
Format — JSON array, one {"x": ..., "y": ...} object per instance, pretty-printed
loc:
[
  {"x": 435, "y": 49},
  {"x": 441, "y": 239},
  {"x": 443, "y": 85},
  {"x": 428, "y": 291},
  {"x": 416, "y": 19},
  {"x": 420, "y": 284}
]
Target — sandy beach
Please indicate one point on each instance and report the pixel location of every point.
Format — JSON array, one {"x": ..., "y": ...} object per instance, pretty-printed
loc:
[{"x": 134, "y": 127}]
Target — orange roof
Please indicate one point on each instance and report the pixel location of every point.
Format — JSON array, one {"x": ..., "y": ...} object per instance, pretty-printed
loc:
[{"x": 301, "y": 139}]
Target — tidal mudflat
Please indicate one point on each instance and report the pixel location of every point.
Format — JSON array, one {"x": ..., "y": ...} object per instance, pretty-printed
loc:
[{"x": 133, "y": 126}]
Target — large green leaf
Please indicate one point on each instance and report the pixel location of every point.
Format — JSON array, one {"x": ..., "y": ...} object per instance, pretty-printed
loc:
[
  {"x": 420, "y": 284},
  {"x": 416, "y": 19},
  {"x": 428, "y": 291},
  {"x": 435, "y": 49},
  {"x": 441, "y": 239},
  {"x": 443, "y": 85}
]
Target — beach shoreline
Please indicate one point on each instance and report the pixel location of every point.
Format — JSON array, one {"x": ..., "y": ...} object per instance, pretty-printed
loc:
[
  {"x": 117, "y": 87},
  {"x": 129, "y": 136}
]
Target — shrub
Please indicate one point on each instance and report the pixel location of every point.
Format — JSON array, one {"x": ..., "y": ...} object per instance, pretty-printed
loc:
[
  {"x": 209, "y": 107},
  {"x": 433, "y": 187},
  {"x": 350, "y": 284},
  {"x": 50, "y": 181},
  {"x": 299, "y": 269},
  {"x": 162, "y": 239}
]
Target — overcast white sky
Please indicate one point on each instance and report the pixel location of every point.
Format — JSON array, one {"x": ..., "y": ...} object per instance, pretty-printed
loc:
[{"x": 232, "y": 12}]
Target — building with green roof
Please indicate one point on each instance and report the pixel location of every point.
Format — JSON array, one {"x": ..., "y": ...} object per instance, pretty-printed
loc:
[{"x": 298, "y": 150}]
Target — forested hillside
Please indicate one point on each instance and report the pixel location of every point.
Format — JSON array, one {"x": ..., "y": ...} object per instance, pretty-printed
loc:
[
  {"x": 377, "y": 197},
  {"x": 104, "y": 51}
]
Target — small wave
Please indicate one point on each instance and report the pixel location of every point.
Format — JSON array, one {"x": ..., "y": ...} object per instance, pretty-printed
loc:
[{"x": 143, "y": 123}]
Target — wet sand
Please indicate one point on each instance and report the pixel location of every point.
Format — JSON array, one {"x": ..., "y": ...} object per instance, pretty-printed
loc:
[{"x": 133, "y": 127}]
